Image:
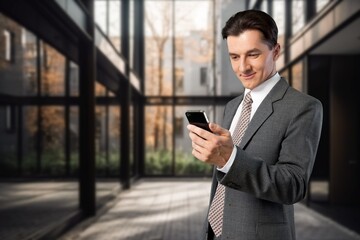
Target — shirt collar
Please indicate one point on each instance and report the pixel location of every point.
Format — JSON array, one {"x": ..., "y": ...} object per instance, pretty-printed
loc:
[{"x": 264, "y": 88}]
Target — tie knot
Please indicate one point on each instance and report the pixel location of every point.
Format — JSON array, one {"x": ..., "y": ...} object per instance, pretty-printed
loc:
[{"x": 248, "y": 98}]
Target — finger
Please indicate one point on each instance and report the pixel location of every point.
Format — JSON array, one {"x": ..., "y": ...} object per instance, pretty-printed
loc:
[
  {"x": 199, "y": 131},
  {"x": 217, "y": 129},
  {"x": 199, "y": 141}
]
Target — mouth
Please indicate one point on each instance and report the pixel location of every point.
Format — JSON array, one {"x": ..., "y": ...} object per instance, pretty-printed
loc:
[{"x": 247, "y": 76}]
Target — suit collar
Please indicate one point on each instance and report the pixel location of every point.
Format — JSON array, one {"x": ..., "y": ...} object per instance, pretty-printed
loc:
[{"x": 265, "y": 110}]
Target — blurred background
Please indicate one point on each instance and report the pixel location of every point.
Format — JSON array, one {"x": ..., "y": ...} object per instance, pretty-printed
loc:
[{"x": 93, "y": 95}]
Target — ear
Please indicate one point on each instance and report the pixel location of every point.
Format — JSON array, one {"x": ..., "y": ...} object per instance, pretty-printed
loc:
[{"x": 276, "y": 51}]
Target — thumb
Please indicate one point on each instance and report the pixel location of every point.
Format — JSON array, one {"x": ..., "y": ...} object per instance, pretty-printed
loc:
[{"x": 217, "y": 129}]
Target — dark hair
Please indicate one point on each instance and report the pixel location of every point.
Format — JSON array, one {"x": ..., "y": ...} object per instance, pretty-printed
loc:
[{"x": 252, "y": 20}]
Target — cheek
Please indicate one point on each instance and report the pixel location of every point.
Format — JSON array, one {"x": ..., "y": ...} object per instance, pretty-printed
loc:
[
  {"x": 234, "y": 66},
  {"x": 268, "y": 64}
]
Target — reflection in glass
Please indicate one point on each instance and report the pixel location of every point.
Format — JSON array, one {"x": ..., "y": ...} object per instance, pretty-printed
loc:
[
  {"x": 53, "y": 141},
  {"x": 279, "y": 17},
  {"x": 52, "y": 71},
  {"x": 30, "y": 57},
  {"x": 158, "y": 140},
  {"x": 18, "y": 54}
]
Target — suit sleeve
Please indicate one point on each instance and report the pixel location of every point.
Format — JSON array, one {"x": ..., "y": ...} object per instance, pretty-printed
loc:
[{"x": 285, "y": 179}]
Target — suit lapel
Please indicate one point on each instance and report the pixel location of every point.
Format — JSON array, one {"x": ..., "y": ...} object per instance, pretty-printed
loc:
[
  {"x": 265, "y": 110},
  {"x": 232, "y": 108}
]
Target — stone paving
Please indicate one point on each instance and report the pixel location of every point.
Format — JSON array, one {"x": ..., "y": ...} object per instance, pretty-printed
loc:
[
  {"x": 29, "y": 207},
  {"x": 174, "y": 210}
]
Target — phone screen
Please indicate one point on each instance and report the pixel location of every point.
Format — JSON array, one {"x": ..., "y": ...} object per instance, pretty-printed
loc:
[{"x": 198, "y": 118}]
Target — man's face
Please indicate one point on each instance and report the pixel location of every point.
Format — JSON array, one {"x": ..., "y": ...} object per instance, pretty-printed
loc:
[{"x": 251, "y": 59}]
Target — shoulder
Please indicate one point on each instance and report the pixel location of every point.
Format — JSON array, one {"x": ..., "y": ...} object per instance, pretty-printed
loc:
[
  {"x": 234, "y": 103},
  {"x": 300, "y": 98}
]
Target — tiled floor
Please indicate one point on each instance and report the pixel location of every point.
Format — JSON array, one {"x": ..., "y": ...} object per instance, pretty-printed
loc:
[{"x": 175, "y": 209}]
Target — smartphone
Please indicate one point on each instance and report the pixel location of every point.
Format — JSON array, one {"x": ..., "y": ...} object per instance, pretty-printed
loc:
[{"x": 198, "y": 118}]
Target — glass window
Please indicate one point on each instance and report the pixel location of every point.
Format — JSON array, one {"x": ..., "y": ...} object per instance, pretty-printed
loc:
[
  {"x": 193, "y": 37},
  {"x": 8, "y": 42},
  {"x": 298, "y": 15},
  {"x": 100, "y": 90},
  {"x": 203, "y": 76},
  {"x": 74, "y": 80},
  {"x": 114, "y": 141},
  {"x": 179, "y": 80},
  {"x": 10, "y": 118},
  {"x": 297, "y": 75},
  {"x": 29, "y": 46},
  {"x": 53, "y": 140},
  {"x": 279, "y": 17},
  {"x": 100, "y": 140},
  {"x": 264, "y": 6},
  {"x": 158, "y": 48},
  {"x": 8, "y": 142},
  {"x": 30, "y": 139},
  {"x": 285, "y": 74},
  {"x": 115, "y": 23},
  {"x": 320, "y": 4},
  {"x": 52, "y": 71},
  {"x": 185, "y": 162},
  {"x": 74, "y": 140},
  {"x": 194, "y": 25},
  {"x": 179, "y": 48},
  {"x": 158, "y": 140},
  {"x": 20, "y": 77},
  {"x": 100, "y": 12},
  {"x": 131, "y": 34}
]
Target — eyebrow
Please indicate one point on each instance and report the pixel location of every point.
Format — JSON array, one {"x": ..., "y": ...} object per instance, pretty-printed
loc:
[{"x": 250, "y": 51}]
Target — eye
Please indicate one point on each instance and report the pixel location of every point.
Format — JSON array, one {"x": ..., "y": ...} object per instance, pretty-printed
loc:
[
  {"x": 254, "y": 55},
  {"x": 234, "y": 57}
]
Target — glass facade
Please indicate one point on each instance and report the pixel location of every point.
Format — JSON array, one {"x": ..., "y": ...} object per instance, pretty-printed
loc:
[
  {"x": 107, "y": 17},
  {"x": 179, "y": 63},
  {"x": 297, "y": 15},
  {"x": 279, "y": 16},
  {"x": 141, "y": 94}
]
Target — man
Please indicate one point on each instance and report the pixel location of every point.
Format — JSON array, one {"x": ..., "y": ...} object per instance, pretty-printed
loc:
[{"x": 263, "y": 165}]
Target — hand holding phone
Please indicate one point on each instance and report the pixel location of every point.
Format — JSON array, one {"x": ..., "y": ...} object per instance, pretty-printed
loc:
[{"x": 198, "y": 118}]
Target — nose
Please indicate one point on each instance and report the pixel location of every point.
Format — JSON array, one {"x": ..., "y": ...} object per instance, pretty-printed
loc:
[{"x": 244, "y": 66}]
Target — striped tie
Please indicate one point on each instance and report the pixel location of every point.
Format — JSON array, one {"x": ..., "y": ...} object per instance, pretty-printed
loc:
[{"x": 217, "y": 206}]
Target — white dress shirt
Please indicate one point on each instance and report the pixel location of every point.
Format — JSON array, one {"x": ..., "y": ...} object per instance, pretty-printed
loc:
[{"x": 257, "y": 94}]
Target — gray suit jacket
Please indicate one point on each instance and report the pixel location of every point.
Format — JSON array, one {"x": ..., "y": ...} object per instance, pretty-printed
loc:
[{"x": 272, "y": 166}]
